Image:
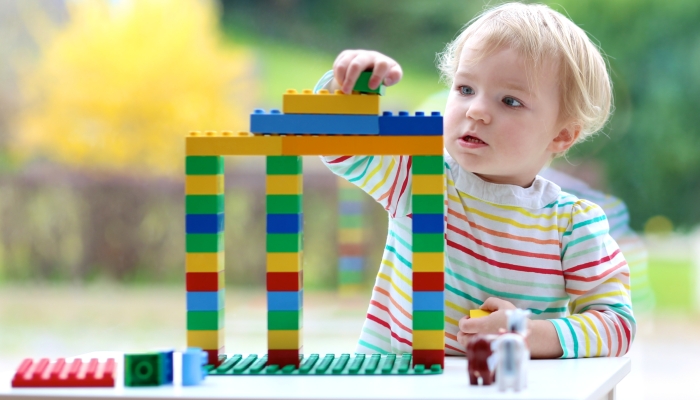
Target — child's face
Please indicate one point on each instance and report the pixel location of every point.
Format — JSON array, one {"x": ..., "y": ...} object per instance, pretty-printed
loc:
[{"x": 501, "y": 120}]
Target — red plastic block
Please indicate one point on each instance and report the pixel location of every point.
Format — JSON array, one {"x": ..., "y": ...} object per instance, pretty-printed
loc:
[
  {"x": 214, "y": 356},
  {"x": 428, "y": 281},
  {"x": 283, "y": 281},
  {"x": 203, "y": 281},
  {"x": 62, "y": 374},
  {"x": 429, "y": 357},
  {"x": 283, "y": 357}
]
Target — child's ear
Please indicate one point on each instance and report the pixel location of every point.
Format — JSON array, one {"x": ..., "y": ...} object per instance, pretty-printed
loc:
[{"x": 566, "y": 137}]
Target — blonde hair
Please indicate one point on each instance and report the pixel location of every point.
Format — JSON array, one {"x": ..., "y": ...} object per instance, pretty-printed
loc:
[{"x": 539, "y": 33}]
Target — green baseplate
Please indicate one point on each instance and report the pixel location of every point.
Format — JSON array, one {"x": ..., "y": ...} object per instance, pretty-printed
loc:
[{"x": 313, "y": 364}]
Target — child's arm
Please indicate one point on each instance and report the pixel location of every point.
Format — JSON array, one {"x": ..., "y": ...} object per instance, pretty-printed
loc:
[{"x": 597, "y": 280}]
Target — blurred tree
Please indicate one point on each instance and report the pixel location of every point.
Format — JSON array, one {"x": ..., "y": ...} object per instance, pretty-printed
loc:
[{"x": 120, "y": 84}]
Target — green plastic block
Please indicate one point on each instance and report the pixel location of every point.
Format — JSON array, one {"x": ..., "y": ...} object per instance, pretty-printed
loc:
[
  {"x": 330, "y": 364},
  {"x": 428, "y": 242},
  {"x": 204, "y": 165},
  {"x": 205, "y": 320},
  {"x": 143, "y": 369},
  {"x": 284, "y": 165},
  {"x": 284, "y": 320},
  {"x": 284, "y": 203},
  {"x": 428, "y": 203},
  {"x": 351, "y": 194},
  {"x": 428, "y": 320},
  {"x": 350, "y": 277},
  {"x": 428, "y": 165},
  {"x": 204, "y": 242},
  {"x": 362, "y": 84},
  {"x": 204, "y": 203},
  {"x": 284, "y": 242},
  {"x": 351, "y": 221}
]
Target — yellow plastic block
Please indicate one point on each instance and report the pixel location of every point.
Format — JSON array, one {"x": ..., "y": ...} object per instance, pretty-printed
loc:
[
  {"x": 204, "y": 262},
  {"x": 327, "y": 103},
  {"x": 428, "y": 262},
  {"x": 284, "y": 184},
  {"x": 428, "y": 340},
  {"x": 284, "y": 262},
  {"x": 351, "y": 235},
  {"x": 228, "y": 144},
  {"x": 284, "y": 340},
  {"x": 428, "y": 184},
  {"x": 478, "y": 313},
  {"x": 206, "y": 339},
  {"x": 361, "y": 145},
  {"x": 204, "y": 184}
]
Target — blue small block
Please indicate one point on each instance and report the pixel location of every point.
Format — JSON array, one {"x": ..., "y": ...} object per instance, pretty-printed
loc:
[
  {"x": 406, "y": 125},
  {"x": 285, "y": 301},
  {"x": 204, "y": 223},
  {"x": 428, "y": 223},
  {"x": 350, "y": 207},
  {"x": 285, "y": 223},
  {"x": 322, "y": 124},
  {"x": 428, "y": 301},
  {"x": 351, "y": 263},
  {"x": 193, "y": 361},
  {"x": 205, "y": 301},
  {"x": 166, "y": 374}
]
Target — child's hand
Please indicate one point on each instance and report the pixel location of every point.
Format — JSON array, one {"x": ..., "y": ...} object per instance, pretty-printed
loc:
[
  {"x": 350, "y": 63},
  {"x": 491, "y": 324}
]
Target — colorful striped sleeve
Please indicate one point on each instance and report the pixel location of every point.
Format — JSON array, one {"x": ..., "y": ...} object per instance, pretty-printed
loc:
[
  {"x": 596, "y": 277},
  {"x": 385, "y": 178}
]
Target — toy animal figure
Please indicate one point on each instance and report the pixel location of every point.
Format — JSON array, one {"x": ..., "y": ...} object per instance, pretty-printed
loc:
[
  {"x": 517, "y": 321},
  {"x": 480, "y": 360},
  {"x": 511, "y": 361}
]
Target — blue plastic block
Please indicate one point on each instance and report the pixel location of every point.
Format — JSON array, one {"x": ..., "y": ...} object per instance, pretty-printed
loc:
[
  {"x": 204, "y": 223},
  {"x": 406, "y": 125},
  {"x": 193, "y": 361},
  {"x": 285, "y": 301},
  {"x": 276, "y": 122},
  {"x": 350, "y": 207},
  {"x": 428, "y": 301},
  {"x": 205, "y": 301},
  {"x": 166, "y": 373},
  {"x": 428, "y": 223},
  {"x": 285, "y": 223},
  {"x": 351, "y": 263}
]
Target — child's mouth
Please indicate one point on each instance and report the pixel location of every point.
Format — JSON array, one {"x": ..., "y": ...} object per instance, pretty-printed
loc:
[{"x": 472, "y": 139}]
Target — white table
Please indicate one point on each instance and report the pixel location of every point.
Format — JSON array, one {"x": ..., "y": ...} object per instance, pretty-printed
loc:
[{"x": 581, "y": 379}]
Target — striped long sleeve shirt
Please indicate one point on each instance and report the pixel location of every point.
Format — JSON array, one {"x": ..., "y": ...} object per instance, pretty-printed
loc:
[{"x": 538, "y": 247}]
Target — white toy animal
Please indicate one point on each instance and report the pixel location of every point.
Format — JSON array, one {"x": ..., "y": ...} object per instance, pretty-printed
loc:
[{"x": 512, "y": 357}]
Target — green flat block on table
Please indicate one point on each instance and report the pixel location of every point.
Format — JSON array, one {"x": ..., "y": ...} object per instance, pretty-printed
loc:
[{"x": 330, "y": 364}]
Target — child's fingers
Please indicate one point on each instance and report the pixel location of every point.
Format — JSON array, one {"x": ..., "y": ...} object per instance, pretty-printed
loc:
[
  {"x": 340, "y": 66},
  {"x": 385, "y": 70},
  {"x": 495, "y": 304},
  {"x": 470, "y": 325},
  {"x": 361, "y": 62}
]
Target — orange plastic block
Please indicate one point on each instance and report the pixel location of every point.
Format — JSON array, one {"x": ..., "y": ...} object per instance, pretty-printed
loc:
[
  {"x": 326, "y": 103},
  {"x": 361, "y": 145},
  {"x": 62, "y": 374},
  {"x": 229, "y": 144}
]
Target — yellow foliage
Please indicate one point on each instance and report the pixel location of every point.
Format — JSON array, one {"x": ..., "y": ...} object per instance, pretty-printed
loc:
[{"x": 121, "y": 83}]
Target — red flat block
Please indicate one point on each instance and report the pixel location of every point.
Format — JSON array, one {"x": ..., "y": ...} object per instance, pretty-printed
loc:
[
  {"x": 214, "y": 356},
  {"x": 428, "y": 281},
  {"x": 429, "y": 357},
  {"x": 204, "y": 281},
  {"x": 284, "y": 357},
  {"x": 283, "y": 281},
  {"x": 62, "y": 374}
]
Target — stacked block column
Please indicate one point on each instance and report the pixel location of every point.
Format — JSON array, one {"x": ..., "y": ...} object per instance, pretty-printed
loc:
[
  {"x": 284, "y": 259},
  {"x": 428, "y": 260},
  {"x": 351, "y": 258},
  {"x": 204, "y": 259}
]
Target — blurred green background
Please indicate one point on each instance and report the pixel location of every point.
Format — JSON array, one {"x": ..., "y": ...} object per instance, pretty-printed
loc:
[{"x": 96, "y": 97}]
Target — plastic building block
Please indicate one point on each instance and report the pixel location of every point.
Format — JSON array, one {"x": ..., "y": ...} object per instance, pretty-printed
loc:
[
  {"x": 276, "y": 122},
  {"x": 428, "y": 165},
  {"x": 204, "y": 281},
  {"x": 429, "y": 339},
  {"x": 284, "y": 339},
  {"x": 283, "y": 281},
  {"x": 193, "y": 362},
  {"x": 330, "y": 364},
  {"x": 284, "y": 184},
  {"x": 428, "y": 203},
  {"x": 204, "y": 165},
  {"x": 229, "y": 144},
  {"x": 166, "y": 373},
  {"x": 362, "y": 84},
  {"x": 206, "y": 339},
  {"x": 204, "y": 242},
  {"x": 428, "y": 184},
  {"x": 428, "y": 281},
  {"x": 429, "y": 357},
  {"x": 428, "y": 242},
  {"x": 143, "y": 369},
  {"x": 44, "y": 374},
  {"x": 428, "y": 320},
  {"x": 284, "y": 301},
  {"x": 205, "y": 301},
  {"x": 478, "y": 313},
  {"x": 204, "y": 262},
  {"x": 287, "y": 360},
  {"x": 428, "y": 262},
  {"x": 406, "y": 125},
  {"x": 204, "y": 204},
  {"x": 284, "y": 262},
  {"x": 205, "y": 320},
  {"x": 428, "y": 223},
  {"x": 429, "y": 301},
  {"x": 284, "y": 223},
  {"x": 204, "y": 223},
  {"x": 284, "y": 320},
  {"x": 326, "y": 103},
  {"x": 359, "y": 146},
  {"x": 204, "y": 184}
]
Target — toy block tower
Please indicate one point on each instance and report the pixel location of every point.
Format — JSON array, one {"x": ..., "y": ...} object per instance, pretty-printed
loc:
[{"x": 351, "y": 230}]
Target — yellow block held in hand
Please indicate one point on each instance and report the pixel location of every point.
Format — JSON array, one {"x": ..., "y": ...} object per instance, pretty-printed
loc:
[{"x": 478, "y": 313}]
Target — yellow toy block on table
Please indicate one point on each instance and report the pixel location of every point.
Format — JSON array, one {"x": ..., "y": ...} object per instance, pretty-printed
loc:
[
  {"x": 324, "y": 102},
  {"x": 478, "y": 313},
  {"x": 429, "y": 339},
  {"x": 211, "y": 339},
  {"x": 284, "y": 339}
]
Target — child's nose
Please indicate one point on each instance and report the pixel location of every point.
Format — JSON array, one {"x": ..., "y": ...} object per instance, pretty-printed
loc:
[{"x": 478, "y": 111}]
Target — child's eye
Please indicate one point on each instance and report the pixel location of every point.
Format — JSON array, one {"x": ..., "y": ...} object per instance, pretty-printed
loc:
[
  {"x": 512, "y": 102},
  {"x": 465, "y": 90}
]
